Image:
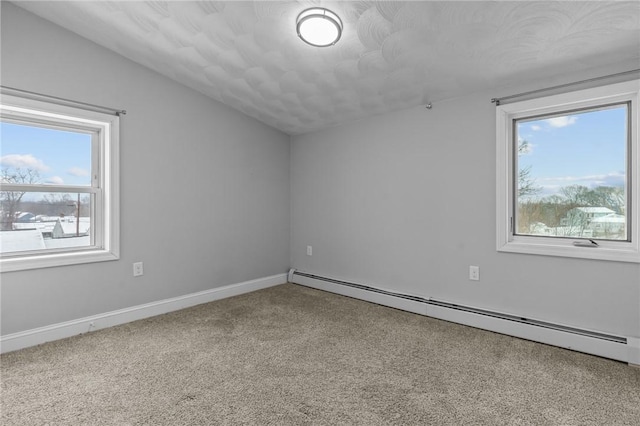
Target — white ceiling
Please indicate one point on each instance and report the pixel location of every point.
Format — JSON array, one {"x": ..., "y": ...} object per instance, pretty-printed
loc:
[{"x": 392, "y": 54}]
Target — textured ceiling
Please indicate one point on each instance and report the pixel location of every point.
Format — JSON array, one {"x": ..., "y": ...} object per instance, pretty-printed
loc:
[{"x": 392, "y": 54}]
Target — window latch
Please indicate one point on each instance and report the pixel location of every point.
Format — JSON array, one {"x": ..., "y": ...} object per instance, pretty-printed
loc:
[{"x": 588, "y": 243}]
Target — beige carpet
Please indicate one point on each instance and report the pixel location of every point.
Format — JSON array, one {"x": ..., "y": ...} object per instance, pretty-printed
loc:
[{"x": 291, "y": 355}]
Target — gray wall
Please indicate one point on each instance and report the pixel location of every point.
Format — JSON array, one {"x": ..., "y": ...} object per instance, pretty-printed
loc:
[
  {"x": 406, "y": 202},
  {"x": 204, "y": 189}
]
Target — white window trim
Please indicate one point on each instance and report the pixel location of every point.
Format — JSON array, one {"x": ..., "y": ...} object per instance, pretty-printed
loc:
[
  {"x": 622, "y": 251},
  {"x": 107, "y": 211}
]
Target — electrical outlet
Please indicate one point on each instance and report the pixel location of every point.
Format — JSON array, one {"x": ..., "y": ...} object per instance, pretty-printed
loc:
[
  {"x": 138, "y": 269},
  {"x": 474, "y": 273},
  {"x": 309, "y": 251}
]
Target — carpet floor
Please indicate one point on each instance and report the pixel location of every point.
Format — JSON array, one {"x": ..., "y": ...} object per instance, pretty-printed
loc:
[{"x": 291, "y": 355}]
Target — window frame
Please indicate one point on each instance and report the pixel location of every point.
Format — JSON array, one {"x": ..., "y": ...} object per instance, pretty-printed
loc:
[
  {"x": 506, "y": 238},
  {"x": 103, "y": 191}
]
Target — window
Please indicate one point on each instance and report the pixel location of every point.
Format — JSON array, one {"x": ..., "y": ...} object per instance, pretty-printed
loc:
[
  {"x": 567, "y": 174},
  {"x": 59, "y": 185}
]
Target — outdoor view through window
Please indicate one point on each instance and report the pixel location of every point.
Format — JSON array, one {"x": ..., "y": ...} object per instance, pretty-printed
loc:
[
  {"x": 45, "y": 196},
  {"x": 570, "y": 178}
]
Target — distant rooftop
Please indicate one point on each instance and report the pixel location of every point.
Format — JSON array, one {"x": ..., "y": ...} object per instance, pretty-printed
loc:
[
  {"x": 594, "y": 210},
  {"x": 11, "y": 241}
]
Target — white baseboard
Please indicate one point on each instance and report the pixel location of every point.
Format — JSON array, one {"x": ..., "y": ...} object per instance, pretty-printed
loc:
[
  {"x": 634, "y": 351},
  {"x": 379, "y": 298},
  {"x": 629, "y": 352},
  {"x": 575, "y": 342},
  {"x": 36, "y": 336}
]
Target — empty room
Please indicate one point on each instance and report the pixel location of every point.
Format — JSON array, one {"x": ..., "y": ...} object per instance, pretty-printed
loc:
[{"x": 320, "y": 212}]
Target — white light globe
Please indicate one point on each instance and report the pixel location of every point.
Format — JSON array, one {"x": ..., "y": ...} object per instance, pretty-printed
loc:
[{"x": 319, "y": 27}]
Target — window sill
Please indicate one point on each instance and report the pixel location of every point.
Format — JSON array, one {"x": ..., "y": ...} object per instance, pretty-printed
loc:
[
  {"x": 57, "y": 259},
  {"x": 621, "y": 253}
]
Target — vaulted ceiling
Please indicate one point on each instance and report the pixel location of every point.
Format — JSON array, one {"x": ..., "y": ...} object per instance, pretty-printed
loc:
[{"x": 392, "y": 54}]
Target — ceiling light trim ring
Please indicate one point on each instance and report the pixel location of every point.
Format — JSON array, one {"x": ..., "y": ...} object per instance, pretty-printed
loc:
[{"x": 319, "y": 13}]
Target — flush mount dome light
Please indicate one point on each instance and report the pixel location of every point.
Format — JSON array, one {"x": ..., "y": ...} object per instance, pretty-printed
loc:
[{"x": 319, "y": 27}]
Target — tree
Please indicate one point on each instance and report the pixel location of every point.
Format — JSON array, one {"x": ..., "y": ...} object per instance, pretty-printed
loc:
[
  {"x": 612, "y": 197},
  {"x": 576, "y": 195},
  {"x": 56, "y": 204},
  {"x": 529, "y": 210},
  {"x": 10, "y": 200},
  {"x": 554, "y": 208},
  {"x": 529, "y": 215},
  {"x": 526, "y": 184}
]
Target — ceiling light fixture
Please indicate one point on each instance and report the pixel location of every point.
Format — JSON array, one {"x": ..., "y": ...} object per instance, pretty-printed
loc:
[{"x": 319, "y": 27}]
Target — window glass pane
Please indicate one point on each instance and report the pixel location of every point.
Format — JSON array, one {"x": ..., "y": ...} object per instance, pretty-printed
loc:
[
  {"x": 33, "y": 154},
  {"x": 39, "y": 221},
  {"x": 571, "y": 174}
]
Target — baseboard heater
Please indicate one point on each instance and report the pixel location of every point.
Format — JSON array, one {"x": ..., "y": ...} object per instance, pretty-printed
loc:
[{"x": 596, "y": 343}]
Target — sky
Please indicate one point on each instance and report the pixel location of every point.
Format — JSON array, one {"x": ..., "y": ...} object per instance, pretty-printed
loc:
[
  {"x": 585, "y": 148},
  {"x": 60, "y": 157}
]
